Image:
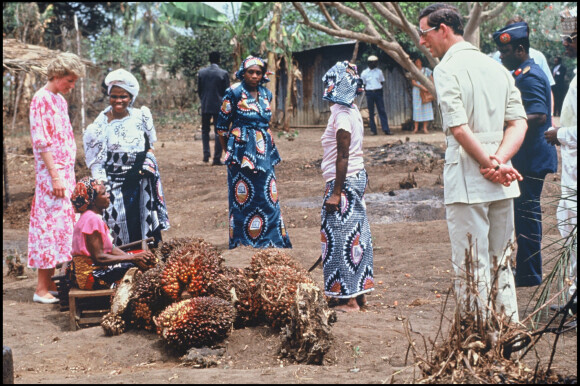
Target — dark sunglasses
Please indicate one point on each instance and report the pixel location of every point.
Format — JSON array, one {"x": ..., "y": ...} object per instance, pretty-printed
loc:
[
  {"x": 119, "y": 97},
  {"x": 424, "y": 32}
]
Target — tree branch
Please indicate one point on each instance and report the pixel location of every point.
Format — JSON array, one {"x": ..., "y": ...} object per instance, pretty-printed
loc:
[
  {"x": 493, "y": 13},
  {"x": 328, "y": 18}
]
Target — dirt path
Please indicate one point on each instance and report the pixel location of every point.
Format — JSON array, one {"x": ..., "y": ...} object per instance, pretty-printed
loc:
[{"x": 412, "y": 266}]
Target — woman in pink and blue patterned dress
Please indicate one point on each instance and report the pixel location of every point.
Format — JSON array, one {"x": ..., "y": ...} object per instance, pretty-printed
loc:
[{"x": 52, "y": 215}]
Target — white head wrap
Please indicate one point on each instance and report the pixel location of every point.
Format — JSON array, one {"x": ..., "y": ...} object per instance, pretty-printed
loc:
[{"x": 125, "y": 80}]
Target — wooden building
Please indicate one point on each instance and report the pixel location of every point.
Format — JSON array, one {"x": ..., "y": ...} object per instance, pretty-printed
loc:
[{"x": 313, "y": 111}]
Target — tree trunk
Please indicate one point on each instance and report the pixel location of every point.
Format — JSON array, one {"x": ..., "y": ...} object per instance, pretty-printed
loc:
[
  {"x": 354, "y": 52},
  {"x": 5, "y": 172},
  {"x": 288, "y": 102},
  {"x": 274, "y": 26},
  {"x": 82, "y": 79}
]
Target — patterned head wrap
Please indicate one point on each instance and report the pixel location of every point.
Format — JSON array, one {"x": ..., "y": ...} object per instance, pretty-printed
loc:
[
  {"x": 125, "y": 80},
  {"x": 569, "y": 21},
  {"x": 253, "y": 61},
  {"x": 84, "y": 194},
  {"x": 342, "y": 84}
]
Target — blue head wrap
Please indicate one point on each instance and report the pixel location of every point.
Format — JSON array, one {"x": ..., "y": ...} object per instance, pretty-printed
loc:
[{"x": 342, "y": 84}]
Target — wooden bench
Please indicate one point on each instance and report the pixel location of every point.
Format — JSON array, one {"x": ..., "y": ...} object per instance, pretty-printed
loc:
[{"x": 89, "y": 306}]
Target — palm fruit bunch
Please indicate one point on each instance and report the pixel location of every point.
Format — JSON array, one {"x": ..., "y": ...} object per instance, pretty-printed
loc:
[
  {"x": 268, "y": 257},
  {"x": 196, "y": 322},
  {"x": 194, "y": 267},
  {"x": 163, "y": 250},
  {"x": 237, "y": 286},
  {"x": 276, "y": 288},
  {"x": 177, "y": 273},
  {"x": 207, "y": 264},
  {"x": 277, "y": 277},
  {"x": 147, "y": 299},
  {"x": 113, "y": 324}
]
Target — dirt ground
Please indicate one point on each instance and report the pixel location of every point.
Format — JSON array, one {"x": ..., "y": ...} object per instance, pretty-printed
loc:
[{"x": 412, "y": 267}]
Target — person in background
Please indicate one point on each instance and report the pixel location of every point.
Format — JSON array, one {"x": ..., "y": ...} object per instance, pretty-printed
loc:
[
  {"x": 559, "y": 89},
  {"x": 422, "y": 112},
  {"x": 567, "y": 137},
  {"x": 51, "y": 214},
  {"x": 536, "y": 157},
  {"x": 96, "y": 263},
  {"x": 243, "y": 126},
  {"x": 212, "y": 83},
  {"x": 346, "y": 240},
  {"x": 538, "y": 57},
  {"x": 119, "y": 152},
  {"x": 373, "y": 79},
  {"x": 478, "y": 175}
]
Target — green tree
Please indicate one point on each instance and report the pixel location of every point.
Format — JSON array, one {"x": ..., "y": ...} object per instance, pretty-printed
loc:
[
  {"x": 382, "y": 23},
  {"x": 190, "y": 54}
]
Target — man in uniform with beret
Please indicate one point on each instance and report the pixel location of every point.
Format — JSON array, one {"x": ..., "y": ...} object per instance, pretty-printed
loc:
[
  {"x": 536, "y": 157},
  {"x": 373, "y": 79}
]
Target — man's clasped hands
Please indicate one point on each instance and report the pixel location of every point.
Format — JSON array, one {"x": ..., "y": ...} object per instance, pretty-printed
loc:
[{"x": 500, "y": 173}]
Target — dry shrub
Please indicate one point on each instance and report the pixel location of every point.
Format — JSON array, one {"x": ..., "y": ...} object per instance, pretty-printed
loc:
[
  {"x": 480, "y": 343},
  {"x": 196, "y": 322}
]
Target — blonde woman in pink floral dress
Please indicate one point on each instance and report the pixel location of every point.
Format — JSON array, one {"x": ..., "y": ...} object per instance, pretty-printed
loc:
[{"x": 51, "y": 215}]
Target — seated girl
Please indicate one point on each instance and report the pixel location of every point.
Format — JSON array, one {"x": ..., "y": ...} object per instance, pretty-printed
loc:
[{"x": 96, "y": 263}]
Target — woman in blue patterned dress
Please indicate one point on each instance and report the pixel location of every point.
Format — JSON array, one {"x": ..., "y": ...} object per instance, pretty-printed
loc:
[
  {"x": 345, "y": 233},
  {"x": 244, "y": 131}
]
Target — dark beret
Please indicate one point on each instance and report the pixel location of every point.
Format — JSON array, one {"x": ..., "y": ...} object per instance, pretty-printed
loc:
[{"x": 510, "y": 33}]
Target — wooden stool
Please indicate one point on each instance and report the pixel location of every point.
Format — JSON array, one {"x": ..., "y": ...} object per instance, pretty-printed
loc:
[
  {"x": 89, "y": 306},
  {"x": 91, "y": 311}
]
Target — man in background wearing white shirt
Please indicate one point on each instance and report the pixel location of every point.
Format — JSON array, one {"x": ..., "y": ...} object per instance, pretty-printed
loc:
[{"x": 373, "y": 79}]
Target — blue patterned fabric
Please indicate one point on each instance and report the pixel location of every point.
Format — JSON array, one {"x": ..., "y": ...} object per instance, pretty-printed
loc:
[
  {"x": 255, "y": 218},
  {"x": 345, "y": 237},
  {"x": 342, "y": 84},
  {"x": 246, "y": 123}
]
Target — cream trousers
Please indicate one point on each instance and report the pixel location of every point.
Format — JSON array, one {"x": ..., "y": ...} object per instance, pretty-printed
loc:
[{"x": 491, "y": 225}]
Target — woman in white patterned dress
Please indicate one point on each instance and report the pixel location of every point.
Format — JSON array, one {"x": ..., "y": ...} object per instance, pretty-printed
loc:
[{"x": 119, "y": 151}]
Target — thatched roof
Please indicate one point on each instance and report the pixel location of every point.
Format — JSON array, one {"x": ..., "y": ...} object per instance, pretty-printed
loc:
[{"x": 18, "y": 56}]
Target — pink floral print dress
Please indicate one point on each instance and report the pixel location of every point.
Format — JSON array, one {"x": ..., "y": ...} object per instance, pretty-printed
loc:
[{"x": 51, "y": 219}]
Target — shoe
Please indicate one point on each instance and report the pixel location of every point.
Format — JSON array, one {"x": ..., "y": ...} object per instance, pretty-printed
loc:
[
  {"x": 206, "y": 159},
  {"x": 373, "y": 133},
  {"x": 389, "y": 133},
  {"x": 39, "y": 299},
  {"x": 217, "y": 163}
]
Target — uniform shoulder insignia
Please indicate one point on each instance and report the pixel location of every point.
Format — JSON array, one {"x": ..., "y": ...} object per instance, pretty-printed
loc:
[
  {"x": 517, "y": 72},
  {"x": 526, "y": 69}
]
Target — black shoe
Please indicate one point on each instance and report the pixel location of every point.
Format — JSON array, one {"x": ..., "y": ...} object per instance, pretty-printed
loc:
[
  {"x": 389, "y": 133},
  {"x": 217, "y": 163},
  {"x": 373, "y": 133},
  {"x": 206, "y": 159}
]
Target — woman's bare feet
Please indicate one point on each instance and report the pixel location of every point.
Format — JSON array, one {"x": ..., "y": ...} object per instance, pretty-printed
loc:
[
  {"x": 361, "y": 300},
  {"x": 349, "y": 306}
]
